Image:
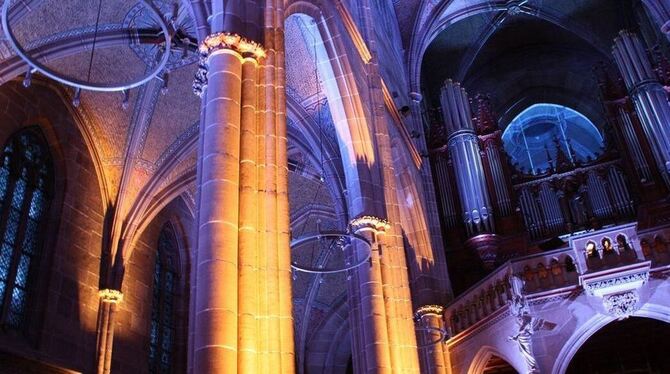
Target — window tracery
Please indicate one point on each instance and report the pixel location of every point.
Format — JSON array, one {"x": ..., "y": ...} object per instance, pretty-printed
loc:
[
  {"x": 162, "y": 327},
  {"x": 25, "y": 195}
]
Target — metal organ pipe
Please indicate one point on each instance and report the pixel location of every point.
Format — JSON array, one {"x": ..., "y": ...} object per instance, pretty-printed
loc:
[
  {"x": 499, "y": 184},
  {"x": 649, "y": 97},
  {"x": 623, "y": 202},
  {"x": 463, "y": 147},
  {"x": 633, "y": 144},
  {"x": 551, "y": 208},
  {"x": 531, "y": 213},
  {"x": 446, "y": 194},
  {"x": 598, "y": 196}
]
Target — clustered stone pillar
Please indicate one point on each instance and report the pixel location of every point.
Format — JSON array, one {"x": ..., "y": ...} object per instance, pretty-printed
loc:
[
  {"x": 432, "y": 334},
  {"x": 463, "y": 146},
  {"x": 106, "y": 312},
  {"x": 371, "y": 346},
  {"x": 242, "y": 318},
  {"x": 649, "y": 97}
]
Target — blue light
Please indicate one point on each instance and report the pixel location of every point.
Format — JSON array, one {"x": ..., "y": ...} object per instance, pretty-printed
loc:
[{"x": 533, "y": 138}]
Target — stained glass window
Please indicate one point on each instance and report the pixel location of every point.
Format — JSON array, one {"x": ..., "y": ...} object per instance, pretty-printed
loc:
[
  {"x": 25, "y": 194},
  {"x": 162, "y": 327}
]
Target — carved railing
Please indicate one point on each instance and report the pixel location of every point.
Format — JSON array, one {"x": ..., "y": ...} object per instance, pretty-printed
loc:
[
  {"x": 615, "y": 249},
  {"x": 481, "y": 300}
]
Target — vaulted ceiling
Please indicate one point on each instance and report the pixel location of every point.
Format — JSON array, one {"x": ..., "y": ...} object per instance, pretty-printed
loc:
[{"x": 525, "y": 52}]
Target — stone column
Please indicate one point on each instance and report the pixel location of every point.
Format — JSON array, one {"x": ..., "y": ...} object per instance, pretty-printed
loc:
[
  {"x": 371, "y": 345},
  {"x": 242, "y": 318},
  {"x": 431, "y": 332},
  {"x": 649, "y": 97},
  {"x": 106, "y": 312},
  {"x": 463, "y": 146},
  {"x": 660, "y": 11}
]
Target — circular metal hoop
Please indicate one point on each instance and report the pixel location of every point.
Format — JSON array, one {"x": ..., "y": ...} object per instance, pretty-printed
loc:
[
  {"x": 77, "y": 83},
  {"x": 432, "y": 330},
  {"x": 332, "y": 235}
]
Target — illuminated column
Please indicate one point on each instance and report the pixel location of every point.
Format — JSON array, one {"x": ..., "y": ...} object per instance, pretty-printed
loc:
[
  {"x": 432, "y": 334},
  {"x": 649, "y": 97},
  {"x": 242, "y": 315},
  {"x": 106, "y": 312},
  {"x": 371, "y": 345},
  {"x": 464, "y": 150},
  {"x": 660, "y": 11}
]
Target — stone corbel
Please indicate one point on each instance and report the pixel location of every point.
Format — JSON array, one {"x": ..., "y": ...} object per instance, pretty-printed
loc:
[{"x": 618, "y": 289}]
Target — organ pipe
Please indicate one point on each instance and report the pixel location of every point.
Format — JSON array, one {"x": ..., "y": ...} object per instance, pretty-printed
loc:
[
  {"x": 464, "y": 150},
  {"x": 649, "y": 97}
]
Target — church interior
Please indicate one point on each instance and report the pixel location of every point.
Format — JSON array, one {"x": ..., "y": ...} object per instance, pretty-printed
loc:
[{"x": 335, "y": 186}]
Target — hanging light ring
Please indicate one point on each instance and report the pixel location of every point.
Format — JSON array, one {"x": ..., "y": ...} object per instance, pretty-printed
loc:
[
  {"x": 82, "y": 84},
  {"x": 346, "y": 238},
  {"x": 433, "y": 331}
]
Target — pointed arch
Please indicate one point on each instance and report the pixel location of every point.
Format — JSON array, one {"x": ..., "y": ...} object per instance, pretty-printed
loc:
[
  {"x": 593, "y": 325},
  {"x": 482, "y": 358}
]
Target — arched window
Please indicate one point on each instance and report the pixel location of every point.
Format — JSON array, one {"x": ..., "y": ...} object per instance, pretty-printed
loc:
[
  {"x": 162, "y": 333},
  {"x": 26, "y": 179}
]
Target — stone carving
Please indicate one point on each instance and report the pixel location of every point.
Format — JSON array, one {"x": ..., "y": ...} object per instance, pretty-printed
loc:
[
  {"x": 527, "y": 326},
  {"x": 621, "y": 305},
  {"x": 629, "y": 278},
  {"x": 223, "y": 40},
  {"x": 200, "y": 81}
]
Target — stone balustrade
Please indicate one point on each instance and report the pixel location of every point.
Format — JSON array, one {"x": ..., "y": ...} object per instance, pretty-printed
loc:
[
  {"x": 546, "y": 273},
  {"x": 486, "y": 297}
]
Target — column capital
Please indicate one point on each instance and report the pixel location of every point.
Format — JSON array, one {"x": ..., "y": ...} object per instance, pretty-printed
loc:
[
  {"x": 111, "y": 296},
  {"x": 369, "y": 223},
  {"x": 224, "y": 41},
  {"x": 428, "y": 310},
  {"x": 234, "y": 42}
]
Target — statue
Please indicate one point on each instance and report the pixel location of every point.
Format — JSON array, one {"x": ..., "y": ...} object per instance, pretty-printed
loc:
[{"x": 528, "y": 325}]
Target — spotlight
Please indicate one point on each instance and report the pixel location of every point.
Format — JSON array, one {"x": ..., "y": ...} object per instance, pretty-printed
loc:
[
  {"x": 124, "y": 103},
  {"x": 164, "y": 89},
  {"x": 76, "y": 100},
  {"x": 28, "y": 79}
]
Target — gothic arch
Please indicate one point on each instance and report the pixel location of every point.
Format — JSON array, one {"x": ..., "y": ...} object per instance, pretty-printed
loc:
[
  {"x": 593, "y": 325},
  {"x": 483, "y": 356}
]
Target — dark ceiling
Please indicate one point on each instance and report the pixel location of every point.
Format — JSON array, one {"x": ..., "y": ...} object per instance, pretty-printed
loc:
[{"x": 523, "y": 59}]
